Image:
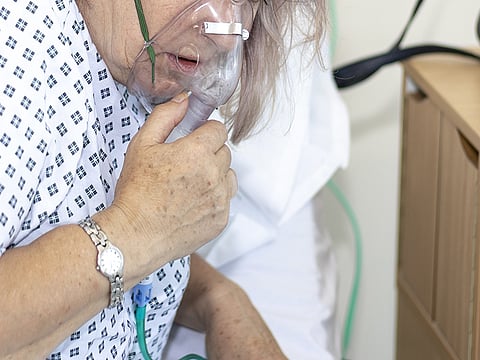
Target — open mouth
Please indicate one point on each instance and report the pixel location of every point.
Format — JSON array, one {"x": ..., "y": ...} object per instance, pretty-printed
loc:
[
  {"x": 187, "y": 65},
  {"x": 186, "y": 61}
]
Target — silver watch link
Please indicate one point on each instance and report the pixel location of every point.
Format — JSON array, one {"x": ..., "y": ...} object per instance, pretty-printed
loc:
[{"x": 109, "y": 260}]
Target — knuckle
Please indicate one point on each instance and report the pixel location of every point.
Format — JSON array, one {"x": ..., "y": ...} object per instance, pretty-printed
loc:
[{"x": 220, "y": 129}]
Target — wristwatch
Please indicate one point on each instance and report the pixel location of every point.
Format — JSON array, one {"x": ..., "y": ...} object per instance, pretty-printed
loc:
[{"x": 109, "y": 260}]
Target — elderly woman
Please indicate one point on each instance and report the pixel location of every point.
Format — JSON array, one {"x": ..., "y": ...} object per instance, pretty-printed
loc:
[{"x": 94, "y": 199}]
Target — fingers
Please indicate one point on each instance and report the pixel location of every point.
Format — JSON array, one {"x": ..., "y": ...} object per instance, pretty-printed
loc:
[
  {"x": 231, "y": 179},
  {"x": 213, "y": 134},
  {"x": 163, "y": 119},
  {"x": 224, "y": 158}
]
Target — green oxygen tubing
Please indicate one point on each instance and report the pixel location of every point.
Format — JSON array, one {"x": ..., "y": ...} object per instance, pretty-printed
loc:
[
  {"x": 142, "y": 294},
  {"x": 348, "y": 325}
]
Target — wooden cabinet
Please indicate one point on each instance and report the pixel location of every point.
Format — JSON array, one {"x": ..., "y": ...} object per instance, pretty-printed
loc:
[{"x": 439, "y": 234}]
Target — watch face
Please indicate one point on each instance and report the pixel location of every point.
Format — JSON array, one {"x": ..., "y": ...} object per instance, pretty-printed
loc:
[{"x": 110, "y": 261}]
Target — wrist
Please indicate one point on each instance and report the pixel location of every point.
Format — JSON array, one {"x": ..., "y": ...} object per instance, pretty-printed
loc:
[
  {"x": 110, "y": 259},
  {"x": 121, "y": 231}
]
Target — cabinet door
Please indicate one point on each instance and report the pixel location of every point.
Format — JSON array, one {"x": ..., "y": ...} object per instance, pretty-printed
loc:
[
  {"x": 421, "y": 129},
  {"x": 456, "y": 214},
  {"x": 417, "y": 338}
]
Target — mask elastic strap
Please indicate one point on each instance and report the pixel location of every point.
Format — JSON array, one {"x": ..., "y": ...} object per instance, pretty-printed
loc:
[{"x": 146, "y": 36}]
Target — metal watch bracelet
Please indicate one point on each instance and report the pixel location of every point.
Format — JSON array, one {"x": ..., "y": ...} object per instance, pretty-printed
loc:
[{"x": 104, "y": 246}]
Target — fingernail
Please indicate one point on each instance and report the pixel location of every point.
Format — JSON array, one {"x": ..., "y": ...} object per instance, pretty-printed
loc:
[{"x": 181, "y": 97}]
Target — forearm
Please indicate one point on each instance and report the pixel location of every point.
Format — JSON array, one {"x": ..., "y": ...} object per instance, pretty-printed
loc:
[
  {"x": 47, "y": 283},
  {"x": 234, "y": 328},
  {"x": 204, "y": 281},
  {"x": 41, "y": 348},
  {"x": 51, "y": 287}
]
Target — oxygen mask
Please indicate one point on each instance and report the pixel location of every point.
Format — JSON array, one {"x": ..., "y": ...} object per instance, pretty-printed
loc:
[{"x": 200, "y": 51}]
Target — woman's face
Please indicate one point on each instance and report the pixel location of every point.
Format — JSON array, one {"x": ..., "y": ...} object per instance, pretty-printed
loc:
[
  {"x": 200, "y": 50},
  {"x": 115, "y": 29}
]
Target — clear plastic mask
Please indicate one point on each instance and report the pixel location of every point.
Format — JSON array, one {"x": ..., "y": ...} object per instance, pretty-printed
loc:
[{"x": 200, "y": 51}]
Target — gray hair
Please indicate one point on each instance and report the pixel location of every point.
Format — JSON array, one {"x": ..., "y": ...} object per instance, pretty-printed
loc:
[{"x": 265, "y": 56}]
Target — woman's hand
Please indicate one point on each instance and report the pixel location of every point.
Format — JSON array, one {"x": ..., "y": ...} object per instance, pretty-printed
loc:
[
  {"x": 170, "y": 199},
  {"x": 174, "y": 193},
  {"x": 234, "y": 329}
]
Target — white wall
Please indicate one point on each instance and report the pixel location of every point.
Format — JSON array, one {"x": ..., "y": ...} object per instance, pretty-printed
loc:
[{"x": 371, "y": 180}]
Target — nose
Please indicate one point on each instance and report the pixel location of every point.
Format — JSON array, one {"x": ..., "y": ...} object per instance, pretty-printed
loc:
[
  {"x": 228, "y": 10},
  {"x": 225, "y": 22}
]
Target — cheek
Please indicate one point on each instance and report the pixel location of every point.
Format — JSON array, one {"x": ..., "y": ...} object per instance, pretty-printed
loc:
[
  {"x": 124, "y": 49},
  {"x": 160, "y": 13}
]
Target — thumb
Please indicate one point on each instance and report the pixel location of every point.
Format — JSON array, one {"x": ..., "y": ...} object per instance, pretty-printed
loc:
[{"x": 163, "y": 119}]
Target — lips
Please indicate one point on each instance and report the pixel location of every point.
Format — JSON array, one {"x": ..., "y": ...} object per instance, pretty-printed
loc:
[
  {"x": 187, "y": 65},
  {"x": 184, "y": 64}
]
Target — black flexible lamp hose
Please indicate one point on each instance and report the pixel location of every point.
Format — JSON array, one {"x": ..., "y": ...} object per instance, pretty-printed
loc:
[
  {"x": 478, "y": 27},
  {"x": 359, "y": 70}
]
